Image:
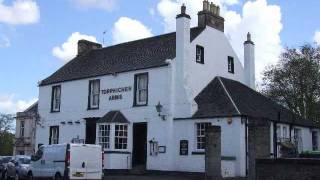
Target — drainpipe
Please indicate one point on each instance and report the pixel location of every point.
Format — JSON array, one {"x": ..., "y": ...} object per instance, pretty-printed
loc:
[
  {"x": 275, "y": 153},
  {"x": 246, "y": 143}
]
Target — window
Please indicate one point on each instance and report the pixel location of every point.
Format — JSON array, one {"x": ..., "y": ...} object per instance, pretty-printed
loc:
[
  {"x": 56, "y": 98},
  {"x": 278, "y": 131},
  {"x": 54, "y": 135},
  {"x": 200, "y": 54},
  {"x": 141, "y": 89},
  {"x": 314, "y": 140},
  {"x": 284, "y": 132},
  {"x": 121, "y": 136},
  {"x": 22, "y": 129},
  {"x": 94, "y": 94},
  {"x": 230, "y": 64},
  {"x": 201, "y": 135},
  {"x": 104, "y": 136},
  {"x": 298, "y": 138}
]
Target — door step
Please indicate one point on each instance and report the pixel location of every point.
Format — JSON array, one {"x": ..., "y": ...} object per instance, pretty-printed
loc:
[{"x": 138, "y": 170}]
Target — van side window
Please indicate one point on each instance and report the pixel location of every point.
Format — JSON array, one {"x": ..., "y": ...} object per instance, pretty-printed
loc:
[{"x": 38, "y": 155}]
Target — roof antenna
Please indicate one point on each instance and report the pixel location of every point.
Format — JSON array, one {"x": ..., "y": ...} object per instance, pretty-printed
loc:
[{"x": 103, "y": 34}]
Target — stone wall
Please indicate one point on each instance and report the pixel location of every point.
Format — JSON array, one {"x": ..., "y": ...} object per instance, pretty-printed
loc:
[
  {"x": 282, "y": 169},
  {"x": 258, "y": 142},
  {"x": 213, "y": 153}
]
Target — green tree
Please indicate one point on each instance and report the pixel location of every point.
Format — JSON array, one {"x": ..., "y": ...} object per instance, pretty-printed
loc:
[
  {"x": 6, "y": 137},
  {"x": 295, "y": 80}
]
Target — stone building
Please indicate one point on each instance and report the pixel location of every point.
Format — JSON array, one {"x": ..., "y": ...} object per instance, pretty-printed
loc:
[
  {"x": 25, "y": 131},
  {"x": 148, "y": 102}
]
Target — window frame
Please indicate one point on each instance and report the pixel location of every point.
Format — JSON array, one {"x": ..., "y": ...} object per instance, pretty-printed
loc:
[
  {"x": 136, "y": 91},
  {"x": 201, "y": 59},
  {"x": 54, "y": 99},
  {"x": 202, "y": 136},
  {"x": 91, "y": 95},
  {"x": 22, "y": 128},
  {"x": 53, "y": 140},
  {"x": 231, "y": 67},
  {"x": 107, "y": 136},
  {"x": 124, "y": 136}
]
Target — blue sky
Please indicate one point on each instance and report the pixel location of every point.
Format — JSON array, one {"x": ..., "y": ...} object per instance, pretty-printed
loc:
[{"x": 29, "y": 32}]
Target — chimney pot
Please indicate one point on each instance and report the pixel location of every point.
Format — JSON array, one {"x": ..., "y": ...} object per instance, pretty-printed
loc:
[
  {"x": 212, "y": 8},
  {"x": 205, "y": 5},
  {"x": 210, "y": 16},
  {"x": 218, "y": 10},
  {"x": 183, "y": 9}
]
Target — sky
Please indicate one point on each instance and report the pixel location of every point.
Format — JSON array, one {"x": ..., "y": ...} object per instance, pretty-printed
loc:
[{"x": 37, "y": 37}]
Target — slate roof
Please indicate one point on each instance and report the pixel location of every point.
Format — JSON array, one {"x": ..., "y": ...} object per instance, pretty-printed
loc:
[
  {"x": 29, "y": 112},
  {"x": 141, "y": 54},
  {"x": 226, "y": 97},
  {"x": 113, "y": 117}
]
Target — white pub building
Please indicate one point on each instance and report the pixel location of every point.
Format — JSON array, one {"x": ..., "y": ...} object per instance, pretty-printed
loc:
[{"x": 149, "y": 101}]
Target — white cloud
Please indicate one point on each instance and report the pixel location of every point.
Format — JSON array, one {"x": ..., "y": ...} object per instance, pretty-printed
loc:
[
  {"x": 10, "y": 104},
  {"x": 69, "y": 49},
  {"x": 20, "y": 12},
  {"x": 107, "y": 5},
  {"x": 316, "y": 37},
  {"x": 264, "y": 23},
  {"x": 127, "y": 29},
  {"x": 4, "y": 41},
  {"x": 258, "y": 17}
]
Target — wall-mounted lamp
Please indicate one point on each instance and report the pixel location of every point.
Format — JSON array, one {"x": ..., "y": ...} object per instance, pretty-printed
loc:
[{"x": 159, "y": 109}]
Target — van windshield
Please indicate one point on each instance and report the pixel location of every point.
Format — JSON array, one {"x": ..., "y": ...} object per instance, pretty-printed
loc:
[{"x": 6, "y": 159}]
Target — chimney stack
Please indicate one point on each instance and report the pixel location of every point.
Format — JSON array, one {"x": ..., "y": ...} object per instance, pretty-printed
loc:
[
  {"x": 85, "y": 46},
  {"x": 210, "y": 16},
  {"x": 249, "y": 62},
  {"x": 181, "y": 108}
]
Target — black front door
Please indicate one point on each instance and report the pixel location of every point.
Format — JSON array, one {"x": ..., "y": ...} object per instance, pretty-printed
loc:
[
  {"x": 90, "y": 132},
  {"x": 139, "y": 144}
]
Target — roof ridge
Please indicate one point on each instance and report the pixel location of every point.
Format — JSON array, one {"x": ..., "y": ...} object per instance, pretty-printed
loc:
[
  {"x": 115, "y": 115},
  {"x": 137, "y": 40},
  {"x": 31, "y": 106},
  {"x": 229, "y": 96}
]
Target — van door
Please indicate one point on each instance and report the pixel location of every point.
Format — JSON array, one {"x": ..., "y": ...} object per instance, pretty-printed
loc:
[
  {"x": 36, "y": 164},
  {"x": 85, "y": 162}
]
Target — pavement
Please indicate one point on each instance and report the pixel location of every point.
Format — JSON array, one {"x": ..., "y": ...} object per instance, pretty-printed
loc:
[
  {"x": 152, "y": 177},
  {"x": 160, "y": 177}
]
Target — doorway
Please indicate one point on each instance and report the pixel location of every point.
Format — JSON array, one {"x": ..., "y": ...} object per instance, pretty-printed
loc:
[
  {"x": 91, "y": 132},
  {"x": 139, "y": 152}
]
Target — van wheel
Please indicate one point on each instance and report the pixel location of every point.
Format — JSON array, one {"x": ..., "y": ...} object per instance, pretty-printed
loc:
[
  {"x": 30, "y": 176},
  {"x": 57, "y": 177},
  {"x": 5, "y": 175}
]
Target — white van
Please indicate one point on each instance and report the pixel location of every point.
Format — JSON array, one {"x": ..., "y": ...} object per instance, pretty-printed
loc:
[{"x": 67, "y": 161}]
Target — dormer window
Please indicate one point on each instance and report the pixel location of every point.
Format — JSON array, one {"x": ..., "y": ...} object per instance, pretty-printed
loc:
[
  {"x": 200, "y": 54},
  {"x": 94, "y": 94},
  {"x": 141, "y": 89},
  {"x": 56, "y": 98},
  {"x": 230, "y": 64}
]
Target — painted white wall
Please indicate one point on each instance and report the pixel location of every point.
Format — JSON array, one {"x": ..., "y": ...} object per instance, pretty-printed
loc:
[
  {"x": 74, "y": 108},
  {"x": 217, "y": 48},
  {"x": 232, "y": 144},
  {"x": 249, "y": 64},
  {"x": 306, "y": 136}
]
